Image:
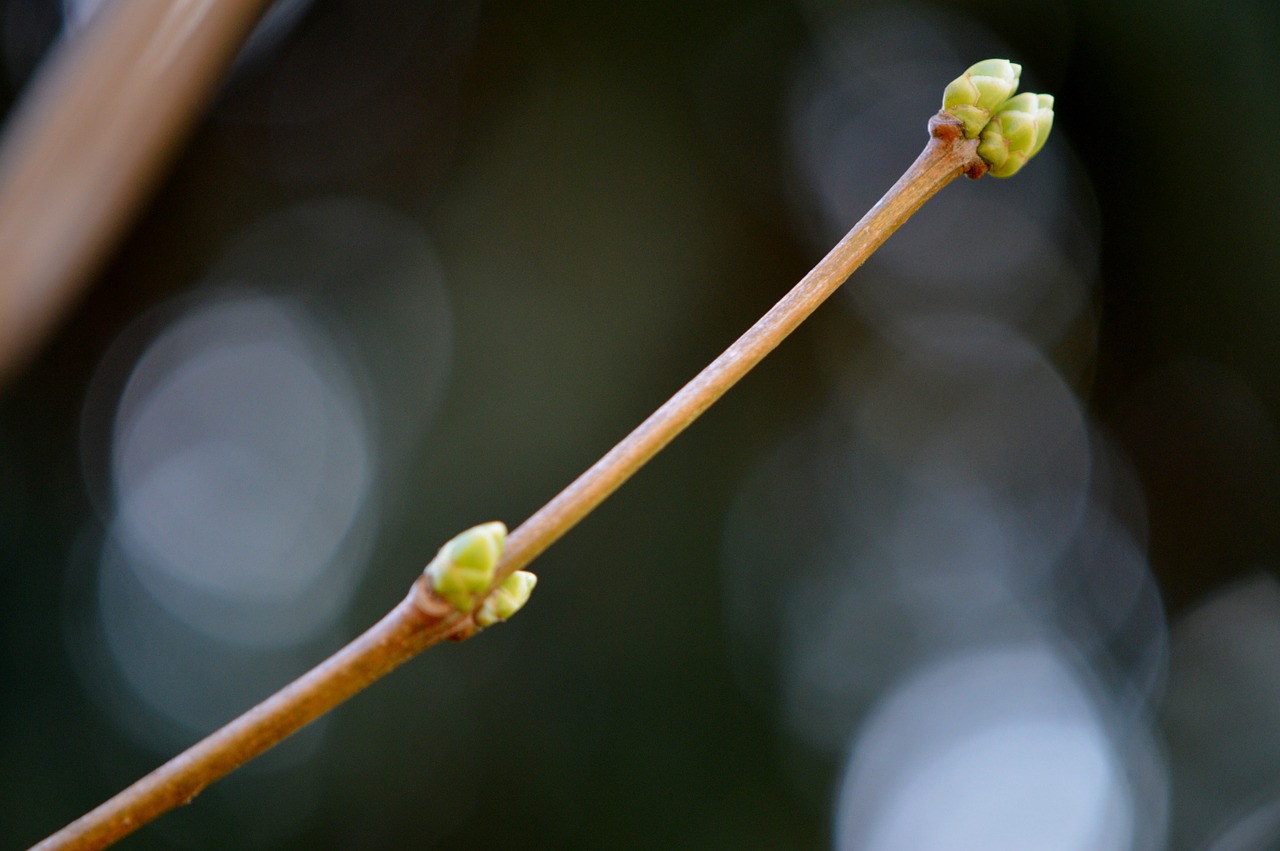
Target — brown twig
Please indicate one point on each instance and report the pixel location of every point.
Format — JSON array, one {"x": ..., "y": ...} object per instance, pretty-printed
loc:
[
  {"x": 946, "y": 157},
  {"x": 90, "y": 139},
  {"x": 422, "y": 619}
]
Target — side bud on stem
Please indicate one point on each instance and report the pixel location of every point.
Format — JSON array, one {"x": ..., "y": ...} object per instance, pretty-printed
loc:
[
  {"x": 507, "y": 599},
  {"x": 462, "y": 572}
]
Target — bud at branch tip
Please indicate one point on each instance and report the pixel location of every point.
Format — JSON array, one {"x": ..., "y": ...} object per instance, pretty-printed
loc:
[{"x": 1011, "y": 128}]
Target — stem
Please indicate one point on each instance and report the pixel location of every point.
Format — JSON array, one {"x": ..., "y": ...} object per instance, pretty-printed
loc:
[
  {"x": 422, "y": 620},
  {"x": 412, "y": 626},
  {"x": 945, "y": 157}
]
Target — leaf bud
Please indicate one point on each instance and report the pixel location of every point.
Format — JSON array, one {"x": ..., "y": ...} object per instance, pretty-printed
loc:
[
  {"x": 975, "y": 95},
  {"x": 507, "y": 599},
  {"x": 463, "y": 568},
  {"x": 1016, "y": 132}
]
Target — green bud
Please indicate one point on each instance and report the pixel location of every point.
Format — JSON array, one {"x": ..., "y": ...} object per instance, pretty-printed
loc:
[
  {"x": 1016, "y": 133},
  {"x": 462, "y": 570},
  {"x": 507, "y": 599},
  {"x": 1044, "y": 122},
  {"x": 977, "y": 93}
]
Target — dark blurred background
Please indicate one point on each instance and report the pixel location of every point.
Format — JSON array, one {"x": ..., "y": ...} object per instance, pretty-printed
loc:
[{"x": 985, "y": 557}]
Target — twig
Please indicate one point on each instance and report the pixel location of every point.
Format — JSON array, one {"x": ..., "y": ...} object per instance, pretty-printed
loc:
[
  {"x": 947, "y": 156},
  {"x": 422, "y": 619}
]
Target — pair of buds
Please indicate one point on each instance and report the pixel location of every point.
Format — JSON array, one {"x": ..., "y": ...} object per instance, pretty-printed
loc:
[
  {"x": 462, "y": 572},
  {"x": 1012, "y": 128}
]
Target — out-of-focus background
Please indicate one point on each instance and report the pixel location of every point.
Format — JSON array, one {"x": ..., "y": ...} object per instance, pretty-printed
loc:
[{"x": 985, "y": 557}]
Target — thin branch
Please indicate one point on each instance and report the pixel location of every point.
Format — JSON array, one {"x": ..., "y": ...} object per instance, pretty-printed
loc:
[
  {"x": 946, "y": 157},
  {"x": 401, "y": 634},
  {"x": 422, "y": 619}
]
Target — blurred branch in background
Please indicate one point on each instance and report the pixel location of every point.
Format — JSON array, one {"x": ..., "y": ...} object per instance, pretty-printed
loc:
[{"x": 89, "y": 141}]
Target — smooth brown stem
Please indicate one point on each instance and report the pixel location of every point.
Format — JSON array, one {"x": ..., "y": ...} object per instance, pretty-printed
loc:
[
  {"x": 402, "y": 633},
  {"x": 421, "y": 619},
  {"x": 946, "y": 157}
]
